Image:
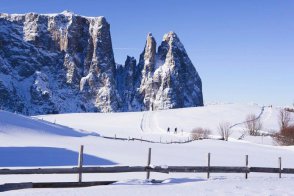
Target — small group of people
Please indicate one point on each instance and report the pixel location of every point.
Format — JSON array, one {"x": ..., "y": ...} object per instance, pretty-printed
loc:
[{"x": 175, "y": 131}]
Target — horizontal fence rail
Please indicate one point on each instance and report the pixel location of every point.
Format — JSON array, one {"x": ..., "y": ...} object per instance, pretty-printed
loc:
[
  {"x": 159, "y": 169},
  {"x": 183, "y": 141},
  {"x": 27, "y": 185}
]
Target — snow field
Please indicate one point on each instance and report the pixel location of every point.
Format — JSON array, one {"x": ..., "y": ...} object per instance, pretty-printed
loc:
[{"x": 232, "y": 153}]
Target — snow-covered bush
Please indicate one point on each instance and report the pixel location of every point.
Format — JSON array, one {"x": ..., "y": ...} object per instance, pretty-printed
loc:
[
  {"x": 290, "y": 109},
  {"x": 224, "y": 130},
  {"x": 253, "y": 124},
  {"x": 286, "y": 134},
  {"x": 284, "y": 119},
  {"x": 200, "y": 133},
  {"x": 285, "y": 137}
]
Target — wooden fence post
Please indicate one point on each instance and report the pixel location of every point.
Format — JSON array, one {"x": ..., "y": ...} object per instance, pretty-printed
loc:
[
  {"x": 80, "y": 163},
  {"x": 280, "y": 167},
  {"x": 208, "y": 165},
  {"x": 148, "y": 163},
  {"x": 246, "y": 163}
]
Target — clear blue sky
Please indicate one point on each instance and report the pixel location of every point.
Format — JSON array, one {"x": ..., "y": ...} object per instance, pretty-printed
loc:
[{"x": 242, "y": 49}]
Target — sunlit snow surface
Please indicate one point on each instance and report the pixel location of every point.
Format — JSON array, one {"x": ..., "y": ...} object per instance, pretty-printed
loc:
[{"x": 41, "y": 140}]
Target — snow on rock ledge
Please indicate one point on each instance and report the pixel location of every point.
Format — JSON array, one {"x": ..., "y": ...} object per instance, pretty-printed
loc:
[{"x": 60, "y": 63}]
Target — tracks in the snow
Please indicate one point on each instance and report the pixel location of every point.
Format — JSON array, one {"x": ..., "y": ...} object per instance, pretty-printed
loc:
[
  {"x": 149, "y": 122},
  {"x": 258, "y": 117}
]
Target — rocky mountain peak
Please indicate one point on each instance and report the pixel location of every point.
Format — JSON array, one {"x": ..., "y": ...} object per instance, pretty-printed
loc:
[
  {"x": 130, "y": 62},
  {"x": 101, "y": 21},
  {"x": 149, "y": 55},
  {"x": 67, "y": 13},
  {"x": 150, "y": 42},
  {"x": 57, "y": 63},
  {"x": 165, "y": 74},
  {"x": 170, "y": 36},
  {"x": 171, "y": 40}
]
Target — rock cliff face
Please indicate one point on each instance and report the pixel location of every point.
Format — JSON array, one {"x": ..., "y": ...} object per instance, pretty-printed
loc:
[
  {"x": 169, "y": 79},
  {"x": 57, "y": 63}
]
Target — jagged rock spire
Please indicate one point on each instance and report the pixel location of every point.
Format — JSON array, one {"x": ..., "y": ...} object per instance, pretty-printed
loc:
[
  {"x": 147, "y": 58},
  {"x": 180, "y": 78},
  {"x": 147, "y": 64},
  {"x": 175, "y": 82},
  {"x": 56, "y": 63}
]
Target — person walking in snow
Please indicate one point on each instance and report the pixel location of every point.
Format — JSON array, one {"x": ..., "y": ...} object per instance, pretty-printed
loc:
[
  {"x": 168, "y": 129},
  {"x": 176, "y": 129}
]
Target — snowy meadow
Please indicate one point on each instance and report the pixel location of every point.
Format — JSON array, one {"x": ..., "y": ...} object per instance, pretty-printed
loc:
[{"x": 54, "y": 141}]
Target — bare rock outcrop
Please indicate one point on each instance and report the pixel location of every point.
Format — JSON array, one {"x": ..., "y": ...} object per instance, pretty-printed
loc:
[{"x": 58, "y": 63}]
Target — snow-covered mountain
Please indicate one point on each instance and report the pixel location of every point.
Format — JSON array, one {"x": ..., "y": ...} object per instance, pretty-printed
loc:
[{"x": 58, "y": 63}]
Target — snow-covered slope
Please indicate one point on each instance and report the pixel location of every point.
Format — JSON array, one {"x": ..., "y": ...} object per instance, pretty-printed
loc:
[
  {"x": 154, "y": 124},
  {"x": 101, "y": 151},
  {"x": 16, "y": 124}
]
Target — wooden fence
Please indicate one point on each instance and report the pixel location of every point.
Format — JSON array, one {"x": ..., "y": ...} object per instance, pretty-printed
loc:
[
  {"x": 161, "y": 141},
  {"x": 80, "y": 169}
]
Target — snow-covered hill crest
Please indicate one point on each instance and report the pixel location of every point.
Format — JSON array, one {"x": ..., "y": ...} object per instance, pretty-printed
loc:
[
  {"x": 59, "y": 63},
  {"x": 16, "y": 124}
]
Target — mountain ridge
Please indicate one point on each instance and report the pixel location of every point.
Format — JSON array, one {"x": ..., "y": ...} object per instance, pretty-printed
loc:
[{"x": 60, "y": 63}]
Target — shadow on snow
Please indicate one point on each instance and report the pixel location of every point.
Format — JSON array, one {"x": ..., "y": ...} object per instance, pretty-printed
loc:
[{"x": 45, "y": 156}]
